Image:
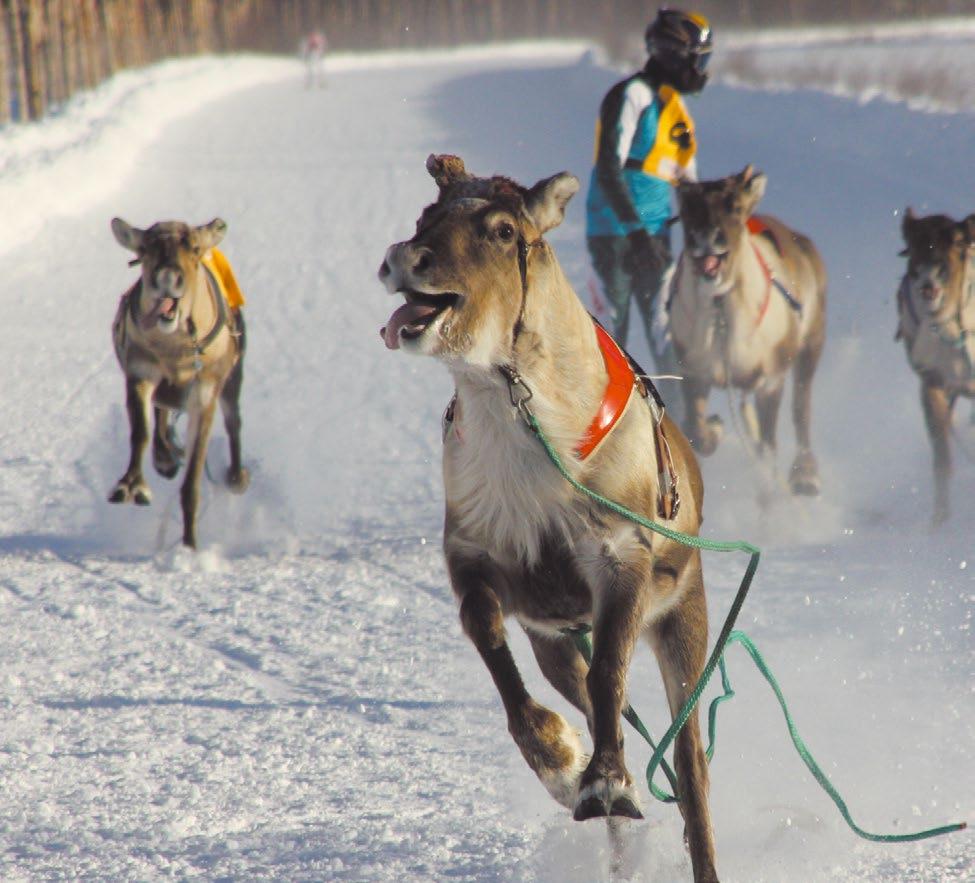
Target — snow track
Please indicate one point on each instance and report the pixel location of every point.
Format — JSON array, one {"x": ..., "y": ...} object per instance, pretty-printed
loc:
[{"x": 296, "y": 701}]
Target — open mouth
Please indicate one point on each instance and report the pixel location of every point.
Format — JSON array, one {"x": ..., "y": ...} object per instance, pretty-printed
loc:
[
  {"x": 930, "y": 293},
  {"x": 709, "y": 265},
  {"x": 421, "y": 309},
  {"x": 163, "y": 312}
]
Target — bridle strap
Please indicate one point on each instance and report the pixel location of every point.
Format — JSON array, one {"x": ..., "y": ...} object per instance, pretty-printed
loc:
[{"x": 524, "y": 247}]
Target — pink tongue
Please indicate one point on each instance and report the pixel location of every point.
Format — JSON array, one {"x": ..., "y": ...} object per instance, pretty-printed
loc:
[
  {"x": 163, "y": 305},
  {"x": 405, "y": 315},
  {"x": 711, "y": 264}
]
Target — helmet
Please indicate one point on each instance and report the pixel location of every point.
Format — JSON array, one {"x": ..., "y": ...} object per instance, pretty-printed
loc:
[{"x": 679, "y": 46}]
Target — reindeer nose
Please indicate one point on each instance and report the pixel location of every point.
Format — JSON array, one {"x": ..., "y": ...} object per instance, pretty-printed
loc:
[
  {"x": 169, "y": 279},
  {"x": 384, "y": 270}
]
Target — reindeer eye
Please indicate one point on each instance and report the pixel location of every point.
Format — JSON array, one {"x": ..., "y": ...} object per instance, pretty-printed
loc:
[{"x": 506, "y": 231}]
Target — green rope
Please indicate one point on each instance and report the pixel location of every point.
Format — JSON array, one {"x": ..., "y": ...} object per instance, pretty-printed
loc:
[{"x": 716, "y": 659}]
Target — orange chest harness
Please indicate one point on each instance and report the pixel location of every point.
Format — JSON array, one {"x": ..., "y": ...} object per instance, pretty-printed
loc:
[{"x": 622, "y": 380}]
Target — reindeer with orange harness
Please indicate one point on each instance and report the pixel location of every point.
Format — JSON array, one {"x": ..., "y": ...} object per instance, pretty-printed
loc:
[{"x": 747, "y": 304}]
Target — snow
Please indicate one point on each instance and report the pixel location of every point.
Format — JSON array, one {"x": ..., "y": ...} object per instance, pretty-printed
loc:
[{"x": 296, "y": 701}]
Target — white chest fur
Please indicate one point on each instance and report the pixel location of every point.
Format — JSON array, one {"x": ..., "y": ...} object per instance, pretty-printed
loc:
[{"x": 500, "y": 485}]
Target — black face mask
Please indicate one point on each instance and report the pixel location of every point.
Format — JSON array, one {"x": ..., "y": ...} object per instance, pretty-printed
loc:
[{"x": 686, "y": 73}]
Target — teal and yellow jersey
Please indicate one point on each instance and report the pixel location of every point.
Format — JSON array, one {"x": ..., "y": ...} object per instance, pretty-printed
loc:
[{"x": 644, "y": 145}]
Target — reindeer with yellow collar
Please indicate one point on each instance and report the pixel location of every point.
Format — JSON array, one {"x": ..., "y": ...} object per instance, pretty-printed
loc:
[{"x": 179, "y": 338}]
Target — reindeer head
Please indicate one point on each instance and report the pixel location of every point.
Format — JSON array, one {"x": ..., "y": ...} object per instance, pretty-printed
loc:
[
  {"x": 169, "y": 252},
  {"x": 713, "y": 215},
  {"x": 938, "y": 251},
  {"x": 465, "y": 272}
]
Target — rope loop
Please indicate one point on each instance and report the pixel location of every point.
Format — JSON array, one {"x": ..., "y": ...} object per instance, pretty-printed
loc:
[{"x": 727, "y": 635}]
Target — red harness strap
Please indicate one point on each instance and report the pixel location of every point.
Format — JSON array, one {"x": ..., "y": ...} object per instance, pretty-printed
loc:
[
  {"x": 757, "y": 226},
  {"x": 619, "y": 389}
]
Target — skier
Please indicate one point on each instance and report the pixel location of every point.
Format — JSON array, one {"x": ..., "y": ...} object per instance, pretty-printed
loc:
[
  {"x": 645, "y": 144},
  {"x": 313, "y": 49}
]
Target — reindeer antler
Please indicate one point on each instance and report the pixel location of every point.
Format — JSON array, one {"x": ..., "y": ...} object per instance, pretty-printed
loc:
[{"x": 447, "y": 169}]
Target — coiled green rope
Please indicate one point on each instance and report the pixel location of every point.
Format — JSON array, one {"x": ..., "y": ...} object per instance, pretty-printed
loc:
[{"x": 727, "y": 636}]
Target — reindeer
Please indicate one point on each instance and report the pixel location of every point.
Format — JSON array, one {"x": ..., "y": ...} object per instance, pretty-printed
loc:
[
  {"x": 485, "y": 294},
  {"x": 936, "y": 313},
  {"x": 181, "y": 348},
  {"x": 747, "y": 303}
]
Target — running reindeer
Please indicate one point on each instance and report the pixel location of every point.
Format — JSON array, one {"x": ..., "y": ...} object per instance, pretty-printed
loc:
[
  {"x": 747, "y": 303},
  {"x": 485, "y": 294},
  {"x": 936, "y": 312},
  {"x": 181, "y": 347}
]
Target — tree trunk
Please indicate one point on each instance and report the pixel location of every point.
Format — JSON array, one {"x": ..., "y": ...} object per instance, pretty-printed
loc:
[{"x": 6, "y": 65}]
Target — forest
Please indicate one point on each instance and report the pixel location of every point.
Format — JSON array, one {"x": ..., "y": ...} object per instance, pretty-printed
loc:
[{"x": 51, "y": 49}]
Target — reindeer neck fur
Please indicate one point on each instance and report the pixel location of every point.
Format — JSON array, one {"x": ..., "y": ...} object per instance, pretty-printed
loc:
[
  {"x": 501, "y": 488},
  {"x": 730, "y": 324},
  {"x": 942, "y": 343},
  {"x": 178, "y": 355}
]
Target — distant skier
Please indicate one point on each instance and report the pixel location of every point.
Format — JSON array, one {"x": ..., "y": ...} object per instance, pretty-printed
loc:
[
  {"x": 645, "y": 144},
  {"x": 313, "y": 49}
]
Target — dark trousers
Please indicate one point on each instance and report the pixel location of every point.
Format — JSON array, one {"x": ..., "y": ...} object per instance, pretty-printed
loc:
[{"x": 626, "y": 277}]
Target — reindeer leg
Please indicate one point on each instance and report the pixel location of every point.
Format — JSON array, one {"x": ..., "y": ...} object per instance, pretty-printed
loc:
[
  {"x": 805, "y": 472},
  {"x": 937, "y": 415},
  {"x": 166, "y": 453},
  {"x": 132, "y": 485},
  {"x": 198, "y": 437},
  {"x": 238, "y": 478},
  {"x": 767, "y": 401},
  {"x": 549, "y": 745},
  {"x": 703, "y": 432},
  {"x": 565, "y": 669},
  {"x": 563, "y": 666},
  {"x": 679, "y": 641},
  {"x": 606, "y": 787}
]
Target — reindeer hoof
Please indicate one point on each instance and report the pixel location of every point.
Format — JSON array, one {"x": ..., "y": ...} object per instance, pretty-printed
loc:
[
  {"x": 626, "y": 808},
  {"x": 711, "y": 438},
  {"x": 804, "y": 475},
  {"x": 238, "y": 481},
  {"x": 137, "y": 493},
  {"x": 164, "y": 468},
  {"x": 607, "y": 797},
  {"x": 590, "y": 808}
]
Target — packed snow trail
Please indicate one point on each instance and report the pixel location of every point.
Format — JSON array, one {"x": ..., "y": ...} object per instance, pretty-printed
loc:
[{"x": 296, "y": 701}]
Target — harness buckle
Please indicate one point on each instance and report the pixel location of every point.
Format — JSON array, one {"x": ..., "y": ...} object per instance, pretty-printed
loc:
[{"x": 519, "y": 400}]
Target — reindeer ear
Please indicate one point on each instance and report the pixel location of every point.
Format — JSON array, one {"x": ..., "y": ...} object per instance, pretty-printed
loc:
[
  {"x": 126, "y": 235},
  {"x": 907, "y": 222},
  {"x": 546, "y": 201},
  {"x": 968, "y": 229},
  {"x": 208, "y": 235},
  {"x": 752, "y": 189}
]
